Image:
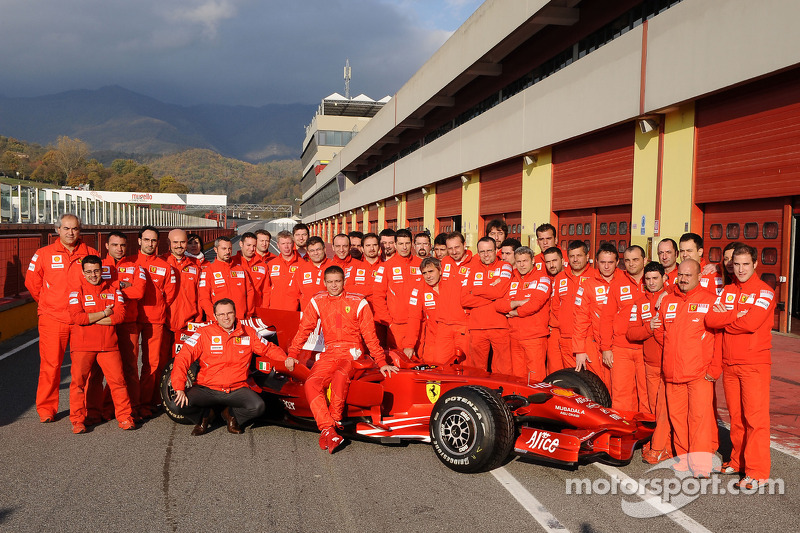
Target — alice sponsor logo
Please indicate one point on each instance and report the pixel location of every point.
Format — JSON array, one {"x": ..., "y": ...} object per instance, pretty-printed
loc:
[{"x": 542, "y": 440}]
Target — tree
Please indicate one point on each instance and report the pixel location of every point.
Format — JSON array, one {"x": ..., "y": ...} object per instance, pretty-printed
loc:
[
  {"x": 48, "y": 171},
  {"x": 170, "y": 184},
  {"x": 70, "y": 154}
]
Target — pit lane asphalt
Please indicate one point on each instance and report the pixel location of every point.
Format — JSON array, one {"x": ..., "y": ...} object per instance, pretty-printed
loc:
[{"x": 159, "y": 478}]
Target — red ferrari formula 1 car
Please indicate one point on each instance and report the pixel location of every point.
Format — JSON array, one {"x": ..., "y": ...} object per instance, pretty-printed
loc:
[{"x": 474, "y": 419}]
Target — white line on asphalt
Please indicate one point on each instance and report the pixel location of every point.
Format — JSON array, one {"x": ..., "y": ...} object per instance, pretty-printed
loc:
[
  {"x": 671, "y": 512},
  {"x": 19, "y": 348},
  {"x": 538, "y": 511},
  {"x": 772, "y": 444}
]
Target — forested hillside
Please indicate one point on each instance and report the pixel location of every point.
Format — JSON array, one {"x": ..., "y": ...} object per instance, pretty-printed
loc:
[{"x": 71, "y": 162}]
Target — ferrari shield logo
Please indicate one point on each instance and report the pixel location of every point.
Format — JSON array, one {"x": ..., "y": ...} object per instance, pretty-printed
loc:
[
  {"x": 347, "y": 309},
  {"x": 433, "y": 389}
]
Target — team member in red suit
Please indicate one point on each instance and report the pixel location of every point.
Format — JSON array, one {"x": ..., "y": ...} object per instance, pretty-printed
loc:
[
  {"x": 123, "y": 270},
  {"x": 253, "y": 262},
  {"x": 356, "y": 244},
  {"x": 225, "y": 349},
  {"x": 591, "y": 298},
  {"x": 160, "y": 292},
  {"x": 52, "y": 271},
  {"x": 644, "y": 316},
  {"x": 668, "y": 257},
  {"x": 439, "y": 250},
  {"x": 565, "y": 290},
  {"x": 308, "y": 278},
  {"x": 194, "y": 249},
  {"x": 186, "y": 306},
  {"x": 691, "y": 247},
  {"x": 284, "y": 294},
  {"x": 423, "y": 316},
  {"x": 745, "y": 314},
  {"x": 263, "y": 238},
  {"x": 690, "y": 366},
  {"x": 452, "y": 332},
  {"x": 545, "y": 239},
  {"x": 345, "y": 319},
  {"x": 300, "y": 236},
  {"x": 487, "y": 282},
  {"x": 527, "y": 307},
  {"x": 371, "y": 260},
  {"x": 553, "y": 265},
  {"x": 226, "y": 279},
  {"x": 624, "y": 357},
  {"x": 388, "y": 243},
  {"x": 393, "y": 282},
  {"x": 356, "y": 279},
  {"x": 422, "y": 245},
  {"x": 95, "y": 308}
]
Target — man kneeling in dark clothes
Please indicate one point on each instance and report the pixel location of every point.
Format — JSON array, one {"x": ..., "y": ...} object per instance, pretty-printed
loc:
[{"x": 224, "y": 350}]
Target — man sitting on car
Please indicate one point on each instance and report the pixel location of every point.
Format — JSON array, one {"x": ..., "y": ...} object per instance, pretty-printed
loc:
[
  {"x": 225, "y": 350},
  {"x": 345, "y": 318}
]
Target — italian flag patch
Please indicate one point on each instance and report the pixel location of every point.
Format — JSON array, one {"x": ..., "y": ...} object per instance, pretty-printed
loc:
[{"x": 262, "y": 365}]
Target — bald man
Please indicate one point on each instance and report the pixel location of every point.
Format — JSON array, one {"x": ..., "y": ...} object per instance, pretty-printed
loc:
[{"x": 186, "y": 306}]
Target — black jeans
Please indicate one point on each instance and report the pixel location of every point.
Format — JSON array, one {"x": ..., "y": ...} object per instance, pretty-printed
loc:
[{"x": 244, "y": 403}]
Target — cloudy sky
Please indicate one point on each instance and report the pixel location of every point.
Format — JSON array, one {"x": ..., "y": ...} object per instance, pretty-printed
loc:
[{"x": 249, "y": 52}]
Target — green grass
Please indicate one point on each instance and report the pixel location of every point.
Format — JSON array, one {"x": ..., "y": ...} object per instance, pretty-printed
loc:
[{"x": 27, "y": 183}]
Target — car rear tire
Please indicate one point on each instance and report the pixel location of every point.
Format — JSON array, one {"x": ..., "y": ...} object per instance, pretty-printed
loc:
[
  {"x": 168, "y": 395},
  {"x": 472, "y": 430},
  {"x": 585, "y": 383}
]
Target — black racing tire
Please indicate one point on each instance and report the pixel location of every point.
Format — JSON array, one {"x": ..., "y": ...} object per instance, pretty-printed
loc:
[
  {"x": 585, "y": 383},
  {"x": 472, "y": 430},
  {"x": 168, "y": 395}
]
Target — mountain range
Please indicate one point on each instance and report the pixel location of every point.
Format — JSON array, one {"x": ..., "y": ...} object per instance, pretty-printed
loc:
[{"x": 114, "y": 119}]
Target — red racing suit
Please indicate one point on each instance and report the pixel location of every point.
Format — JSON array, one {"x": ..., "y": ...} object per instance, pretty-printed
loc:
[
  {"x": 52, "y": 271},
  {"x": 529, "y": 330},
  {"x": 488, "y": 329},
  {"x": 186, "y": 306},
  {"x": 689, "y": 355},
  {"x": 712, "y": 282},
  {"x": 562, "y": 309},
  {"x": 590, "y": 299},
  {"x": 284, "y": 294},
  {"x": 345, "y": 319},
  {"x": 393, "y": 282},
  {"x": 309, "y": 280},
  {"x": 746, "y": 364},
  {"x": 160, "y": 292},
  {"x": 98, "y": 398},
  {"x": 628, "y": 376},
  {"x": 259, "y": 277},
  {"x": 92, "y": 343},
  {"x": 423, "y": 324},
  {"x": 224, "y": 357},
  {"x": 226, "y": 280},
  {"x": 639, "y": 330},
  {"x": 356, "y": 279},
  {"x": 452, "y": 332}
]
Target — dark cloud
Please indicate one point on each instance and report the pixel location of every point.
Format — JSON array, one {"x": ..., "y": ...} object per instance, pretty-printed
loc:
[{"x": 249, "y": 52}]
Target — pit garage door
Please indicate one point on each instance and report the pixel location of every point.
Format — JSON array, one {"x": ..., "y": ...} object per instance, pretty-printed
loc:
[{"x": 758, "y": 223}]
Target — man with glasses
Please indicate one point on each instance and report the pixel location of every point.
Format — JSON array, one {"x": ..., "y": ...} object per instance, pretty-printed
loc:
[
  {"x": 225, "y": 350},
  {"x": 95, "y": 307}
]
